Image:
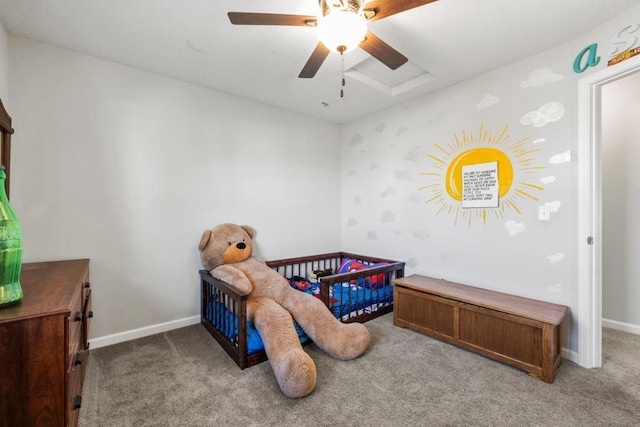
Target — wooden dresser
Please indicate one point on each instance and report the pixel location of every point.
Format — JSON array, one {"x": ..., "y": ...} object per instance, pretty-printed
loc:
[{"x": 44, "y": 347}]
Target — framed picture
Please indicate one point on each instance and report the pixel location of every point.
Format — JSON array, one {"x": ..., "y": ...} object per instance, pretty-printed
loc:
[{"x": 5, "y": 144}]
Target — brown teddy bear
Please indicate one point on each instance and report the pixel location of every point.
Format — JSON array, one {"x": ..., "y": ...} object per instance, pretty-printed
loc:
[{"x": 226, "y": 253}]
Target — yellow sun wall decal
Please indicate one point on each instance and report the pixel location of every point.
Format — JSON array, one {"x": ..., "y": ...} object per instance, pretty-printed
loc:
[{"x": 516, "y": 170}]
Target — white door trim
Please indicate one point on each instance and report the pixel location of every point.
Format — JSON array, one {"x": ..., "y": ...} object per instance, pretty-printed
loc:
[{"x": 589, "y": 316}]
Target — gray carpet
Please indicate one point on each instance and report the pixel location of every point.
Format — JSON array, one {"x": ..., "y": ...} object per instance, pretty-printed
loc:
[{"x": 183, "y": 378}]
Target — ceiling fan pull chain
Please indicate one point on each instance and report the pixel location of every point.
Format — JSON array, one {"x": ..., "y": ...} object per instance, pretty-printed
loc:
[{"x": 342, "y": 74}]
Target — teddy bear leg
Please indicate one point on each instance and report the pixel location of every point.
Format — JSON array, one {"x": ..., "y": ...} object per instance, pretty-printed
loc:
[
  {"x": 343, "y": 341},
  {"x": 293, "y": 368}
]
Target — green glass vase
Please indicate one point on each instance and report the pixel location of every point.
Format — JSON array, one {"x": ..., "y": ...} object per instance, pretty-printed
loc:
[{"x": 10, "y": 249}]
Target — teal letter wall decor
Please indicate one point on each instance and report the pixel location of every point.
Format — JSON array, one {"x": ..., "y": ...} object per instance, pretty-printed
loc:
[{"x": 579, "y": 66}]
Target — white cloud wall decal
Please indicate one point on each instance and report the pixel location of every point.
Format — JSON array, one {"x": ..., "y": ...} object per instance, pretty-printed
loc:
[
  {"x": 422, "y": 234},
  {"x": 390, "y": 191},
  {"x": 352, "y": 222},
  {"x": 356, "y": 139},
  {"x": 555, "y": 289},
  {"x": 388, "y": 216},
  {"x": 403, "y": 175},
  {"x": 550, "y": 112},
  {"x": 488, "y": 101},
  {"x": 514, "y": 228},
  {"x": 561, "y": 158},
  {"x": 372, "y": 235},
  {"x": 554, "y": 206},
  {"x": 548, "y": 179},
  {"x": 555, "y": 257},
  {"x": 414, "y": 154},
  {"x": 415, "y": 198},
  {"x": 539, "y": 77}
]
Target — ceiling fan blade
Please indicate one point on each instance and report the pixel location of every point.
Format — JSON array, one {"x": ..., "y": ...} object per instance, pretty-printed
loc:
[
  {"x": 316, "y": 59},
  {"x": 382, "y": 51},
  {"x": 247, "y": 18},
  {"x": 385, "y": 8}
]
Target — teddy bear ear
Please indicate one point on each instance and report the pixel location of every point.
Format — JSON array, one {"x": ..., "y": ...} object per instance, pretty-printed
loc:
[
  {"x": 204, "y": 240},
  {"x": 250, "y": 230}
]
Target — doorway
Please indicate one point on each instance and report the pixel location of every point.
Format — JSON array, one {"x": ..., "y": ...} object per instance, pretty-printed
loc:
[{"x": 590, "y": 210}]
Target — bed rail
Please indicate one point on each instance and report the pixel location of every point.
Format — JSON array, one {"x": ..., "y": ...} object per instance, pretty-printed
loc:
[
  {"x": 224, "y": 314},
  {"x": 379, "y": 301}
]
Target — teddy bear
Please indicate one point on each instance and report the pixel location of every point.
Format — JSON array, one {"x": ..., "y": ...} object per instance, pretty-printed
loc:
[{"x": 272, "y": 304}]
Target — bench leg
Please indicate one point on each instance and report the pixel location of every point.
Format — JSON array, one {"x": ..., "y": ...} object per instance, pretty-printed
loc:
[{"x": 550, "y": 349}]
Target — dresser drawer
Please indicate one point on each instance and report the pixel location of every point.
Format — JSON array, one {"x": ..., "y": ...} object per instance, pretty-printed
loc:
[
  {"x": 86, "y": 319},
  {"x": 75, "y": 326},
  {"x": 76, "y": 378}
]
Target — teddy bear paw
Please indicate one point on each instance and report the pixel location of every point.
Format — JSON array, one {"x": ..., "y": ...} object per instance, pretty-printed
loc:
[
  {"x": 355, "y": 340},
  {"x": 296, "y": 374}
]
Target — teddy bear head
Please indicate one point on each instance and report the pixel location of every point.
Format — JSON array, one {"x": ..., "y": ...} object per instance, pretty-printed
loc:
[{"x": 225, "y": 244}]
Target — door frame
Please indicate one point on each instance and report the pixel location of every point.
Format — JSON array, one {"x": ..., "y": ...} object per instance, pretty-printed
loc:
[{"x": 590, "y": 209}]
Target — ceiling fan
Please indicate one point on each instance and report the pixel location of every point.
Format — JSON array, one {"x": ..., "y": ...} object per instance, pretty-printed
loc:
[{"x": 342, "y": 27}]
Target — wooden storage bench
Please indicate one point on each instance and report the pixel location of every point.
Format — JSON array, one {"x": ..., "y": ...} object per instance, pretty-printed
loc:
[{"x": 520, "y": 332}]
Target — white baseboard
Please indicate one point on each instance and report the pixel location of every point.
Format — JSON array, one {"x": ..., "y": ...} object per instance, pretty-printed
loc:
[
  {"x": 620, "y": 326},
  {"x": 606, "y": 323},
  {"x": 193, "y": 320},
  {"x": 569, "y": 355},
  {"x": 142, "y": 332}
]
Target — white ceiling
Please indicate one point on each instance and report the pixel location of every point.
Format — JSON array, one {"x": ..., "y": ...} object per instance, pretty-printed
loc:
[{"x": 193, "y": 41}]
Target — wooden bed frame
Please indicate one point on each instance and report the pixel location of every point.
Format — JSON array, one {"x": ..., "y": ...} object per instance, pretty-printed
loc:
[{"x": 216, "y": 290}]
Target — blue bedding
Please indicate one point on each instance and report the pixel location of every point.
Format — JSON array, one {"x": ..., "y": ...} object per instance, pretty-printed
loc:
[
  {"x": 225, "y": 321},
  {"x": 345, "y": 298}
]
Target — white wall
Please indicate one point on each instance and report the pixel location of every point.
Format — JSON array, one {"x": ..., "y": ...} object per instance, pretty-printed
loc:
[
  {"x": 621, "y": 201},
  {"x": 128, "y": 168},
  {"x": 394, "y": 197}
]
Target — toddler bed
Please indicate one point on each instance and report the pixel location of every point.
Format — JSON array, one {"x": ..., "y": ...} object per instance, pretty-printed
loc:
[{"x": 355, "y": 288}]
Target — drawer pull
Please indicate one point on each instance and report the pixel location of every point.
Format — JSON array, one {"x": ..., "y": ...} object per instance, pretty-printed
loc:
[
  {"x": 78, "y": 359},
  {"x": 77, "y": 317},
  {"x": 77, "y": 402},
  {"x": 87, "y": 284}
]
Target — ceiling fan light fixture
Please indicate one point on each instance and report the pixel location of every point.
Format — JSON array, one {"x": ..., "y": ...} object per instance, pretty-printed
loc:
[{"x": 342, "y": 30}]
